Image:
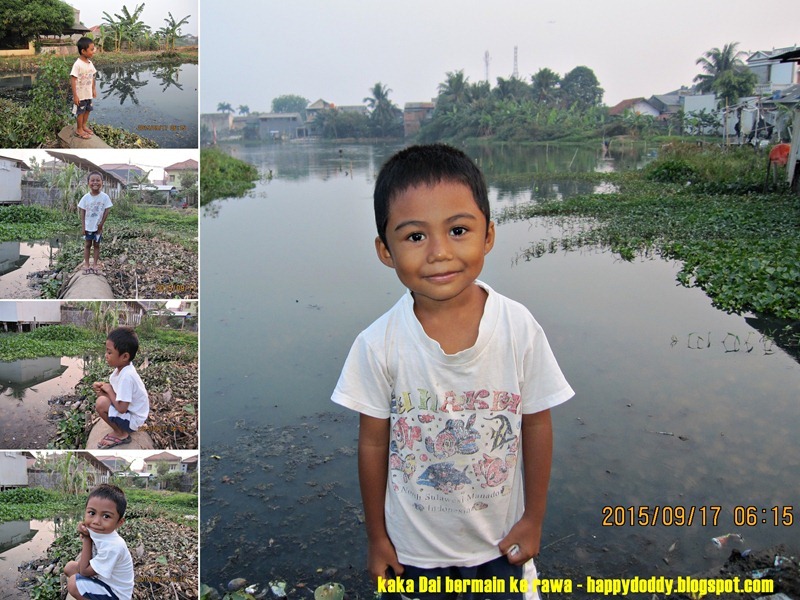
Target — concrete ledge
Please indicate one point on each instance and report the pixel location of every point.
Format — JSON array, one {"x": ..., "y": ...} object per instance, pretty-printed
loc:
[
  {"x": 83, "y": 286},
  {"x": 140, "y": 440},
  {"x": 68, "y": 139}
]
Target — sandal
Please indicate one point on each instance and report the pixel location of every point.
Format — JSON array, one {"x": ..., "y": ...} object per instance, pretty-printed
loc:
[{"x": 113, "y": 441}]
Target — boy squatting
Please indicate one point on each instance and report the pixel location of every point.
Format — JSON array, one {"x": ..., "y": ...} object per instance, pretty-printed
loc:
[
  {"x": 453, "y": 482},
  {"x": 104, "y": 568}
]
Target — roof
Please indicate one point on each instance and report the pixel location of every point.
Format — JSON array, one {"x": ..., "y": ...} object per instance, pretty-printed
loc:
[
  {"x": 276, "y": 116},
  {"x": 319, "y": 104},
  {"x": 21, "y": 164},
  {"x": 625, "y": 105},
  {"x": 772, "y": 55},
  {"x": 84, "y": 164},
  {"x": 184, "y": 165},
  {"x": 419, "y": 105},
  {"x": 166, "y": 456},
  {"x": 190, "y": 459},
  {"x": 790, "y": 56}
]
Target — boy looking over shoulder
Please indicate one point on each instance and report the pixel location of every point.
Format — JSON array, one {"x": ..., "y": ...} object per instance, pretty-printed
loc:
[
  {"x": 122, "y": 403},
  {"x": 454, "y": 387},
  {"x": 104, "y": 568}
]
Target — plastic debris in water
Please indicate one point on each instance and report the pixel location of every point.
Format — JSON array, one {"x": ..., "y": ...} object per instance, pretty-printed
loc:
[
  {"x": 720, "y": 541},
  {"x": 252, "y": 589},
  {"x": 782, "y": 561},
  {"x": 278, "y": 588},
  {"x": 329, "y": 591},
  {"x": 759, "y": 574}
]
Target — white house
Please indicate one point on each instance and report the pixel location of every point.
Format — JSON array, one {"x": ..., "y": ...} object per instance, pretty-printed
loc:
[
  {"x": 13, "y": 469},
  {"x": 773, "y": 75},
  {"x": 31, "y": 311},
  {"x": 11, "y": 180}
]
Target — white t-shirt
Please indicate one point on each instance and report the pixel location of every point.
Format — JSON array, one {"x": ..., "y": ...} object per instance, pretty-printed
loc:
[
  {"x": 112, "y": 562},
  {"x": 455, "y": 485},
  {"x": 128, "y": 387},
  {"x": 94, "y": 206},
  {"x": 84, "y": 72}
]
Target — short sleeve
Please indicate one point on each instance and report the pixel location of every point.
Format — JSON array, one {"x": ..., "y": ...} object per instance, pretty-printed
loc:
[
  {"x": 125, "y": 391},
  {"x": 364, "y": 384},
  {"x": 543, "y": 384},
  {"x": 105, "y": 559}
]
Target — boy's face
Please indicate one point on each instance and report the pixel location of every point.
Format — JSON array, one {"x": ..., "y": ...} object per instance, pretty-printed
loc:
[
  {"x": 437, "y": 240},
  {"x": 114, "y": 358},
  {"x": 89, "y": 52},
  {"x": 95, "y": 184},
  {"x": 101, "y": 515}
]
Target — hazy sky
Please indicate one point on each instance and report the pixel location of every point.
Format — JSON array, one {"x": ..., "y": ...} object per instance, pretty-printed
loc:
[
  {"x": 253, "y": 51},
  {"x": 153, "y": 14}
]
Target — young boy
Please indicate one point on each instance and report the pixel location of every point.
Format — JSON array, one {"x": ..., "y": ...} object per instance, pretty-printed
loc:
[
  {"x": 123, "y": 403},
  {"x": 94, "y": 208},
  {"x": 83, "y": 86},
  {"x": 454, "y": 386},
  {"x": 104, "y": 568}
]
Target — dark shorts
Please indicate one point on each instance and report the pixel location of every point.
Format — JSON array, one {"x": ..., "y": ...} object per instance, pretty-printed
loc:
[
  {"x": 94, "y": 589},
  {"x": 438, "y": 580},
  {"x": 123, "y": 424},
  {"x": 93, "y": 236},
  {"x": 84, "y": 106}
]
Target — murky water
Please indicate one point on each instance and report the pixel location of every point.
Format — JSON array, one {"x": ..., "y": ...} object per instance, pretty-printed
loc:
[
  {"x": 19, "y": 260},
  {"x": 21, "y": 542},
  {"x": 26, "y": 386},
  {"x": 677, "y": 404}
]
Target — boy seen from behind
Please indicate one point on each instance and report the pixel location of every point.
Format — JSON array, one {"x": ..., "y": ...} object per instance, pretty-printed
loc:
[
  {"x": 104, "y": 568},
  {"x": 454, "y": 387},
  {"x": 122, "y": 403},
  {"x": 82, "y": 81}
]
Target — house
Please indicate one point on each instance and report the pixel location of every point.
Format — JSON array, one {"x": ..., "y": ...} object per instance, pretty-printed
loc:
[
  {"x": 640, "y": 106},
  {"x": 128, "y": 312},
  {"x": 217, "y": 125},
  {"x": 45, "y": 471},
  {"x": 415, "y": 114},
  {"x": 281, "y": 126},
  {"x": 113, "y": 184},
  {"x": 22, "y": 315},
  {"x": 189, "y": 464},
  {"x": 11, "y": 180},
  {"x": 13, "y": 470},
  {"x": 172, "y": 173},
  {"x": 151, "y": 462},
  {"x": 124, "y": 172},
  {"x": 774, "y": 73},
  {"x": 115, "y": 463}
]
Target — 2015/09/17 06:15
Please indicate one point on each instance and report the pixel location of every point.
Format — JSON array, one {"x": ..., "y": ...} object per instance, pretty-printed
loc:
[{"x": 686, "y": 516}]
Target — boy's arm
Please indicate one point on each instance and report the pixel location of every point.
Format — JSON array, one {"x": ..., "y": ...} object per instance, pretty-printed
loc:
[
  {"x": 85, "y": 568},
  {"x": 102, "y": 220},
  {"x": 83, "y": 218},
  {"x": 94, "y": 86},
  {"x": 73, "y": 82},
  {"x": 373, "y": 471},
  {"x": 537, "y": 456}
]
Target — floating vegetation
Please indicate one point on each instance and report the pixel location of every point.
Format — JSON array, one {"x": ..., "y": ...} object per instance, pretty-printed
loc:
[
  {"x": 120, "y": 138},
  {"x": 222, "y": 176}
]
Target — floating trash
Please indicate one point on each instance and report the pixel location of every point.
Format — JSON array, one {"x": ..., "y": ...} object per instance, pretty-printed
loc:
[
  {"x": 329, "y": 591},
  {"x": 278, "y": 588},
  {"x": 722, "y": 540},
  {"x": 237, "y": 584}
]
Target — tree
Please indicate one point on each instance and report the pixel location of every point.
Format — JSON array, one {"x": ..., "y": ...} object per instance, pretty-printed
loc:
[
  {"x": 23, "y": 20},
  {"x": 455, "y": 89},
  {"x": 545, "y": 86},
  {"x": 224, "y": 107},
  {"x": 725, "y": 74},
  {"x": 512, "y": 89},
  {"x": 383, "y": 113},
  {"x": 244, "y": 109},
  {"x": 290, "y": 103},
  {"x": 171, "y": 31},
  {"x": 580, "y": 87}
]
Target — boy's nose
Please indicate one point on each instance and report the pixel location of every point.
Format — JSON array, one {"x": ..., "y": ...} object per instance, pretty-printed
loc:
[{"x": 439, "y": 250}]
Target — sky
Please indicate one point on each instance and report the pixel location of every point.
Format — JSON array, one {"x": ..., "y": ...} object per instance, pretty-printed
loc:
[
  {"x": 153, "y": 14},
  {"x": 252, "y": 52},
  {"x": 149, "y": 160}
]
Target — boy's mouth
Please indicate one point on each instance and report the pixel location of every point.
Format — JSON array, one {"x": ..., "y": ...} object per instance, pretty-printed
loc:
[{"x": 442, "y": 277}]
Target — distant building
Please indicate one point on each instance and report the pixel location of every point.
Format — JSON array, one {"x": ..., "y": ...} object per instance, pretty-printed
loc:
[
  {"x": 773, "y": 74},
  {"x": 172, "y": 173},
  {"x": 640, "y": 106},
  {"x": 282, "y": 126},
  {"x": 414, "y": 115}
]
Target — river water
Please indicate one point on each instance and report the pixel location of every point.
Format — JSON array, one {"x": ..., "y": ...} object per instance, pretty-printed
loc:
[{"x": 678, "y": 404}]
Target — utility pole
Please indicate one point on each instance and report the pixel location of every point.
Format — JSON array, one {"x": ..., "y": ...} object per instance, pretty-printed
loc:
[
  {"x": 486, "y": 60},
  {"x": 515, "y": 74}
]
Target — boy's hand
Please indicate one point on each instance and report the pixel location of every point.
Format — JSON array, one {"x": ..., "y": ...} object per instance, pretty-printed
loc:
[
  {"x": 381, "y": 556},
  {"x": 83, "y": 531},
  {"x": 97, "y": 387},
  {"x": 522, "y": 542}
]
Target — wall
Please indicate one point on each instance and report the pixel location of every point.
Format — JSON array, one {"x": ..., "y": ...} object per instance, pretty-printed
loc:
[
  {"x": 10, "y": 181},
  {"x": 13, "y": 469}
]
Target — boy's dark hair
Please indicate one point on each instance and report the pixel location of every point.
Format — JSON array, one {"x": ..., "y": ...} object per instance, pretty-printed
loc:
[
  {"x": 429, "y": 165},
  {"x": 98, "y": 173},
  {"x": 106, "y": 491},
  {"x": 125, "y": 340},
  {"x": 83, "y": 44}
]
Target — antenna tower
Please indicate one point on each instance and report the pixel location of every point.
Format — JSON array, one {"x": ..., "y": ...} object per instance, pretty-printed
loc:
[
  {"x": 515, "y": 74},
  {"x": 486, "y": 60}
]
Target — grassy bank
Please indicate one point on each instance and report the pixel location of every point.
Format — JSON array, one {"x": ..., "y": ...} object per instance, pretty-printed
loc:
[
  {"x": 31, "y": 64},
  {"x": 704, "y": 207},
  {"x": 148, "y": 251},
  {"x": 222, "y": 176}
]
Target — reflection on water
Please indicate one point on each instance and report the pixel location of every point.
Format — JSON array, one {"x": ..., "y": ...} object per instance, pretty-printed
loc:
[
  {"x": 20, "y": 260},
  {"x": 22, "y": 542},
  {"x": 668, "y": 410},
  {"x": 26, "y": 386}
]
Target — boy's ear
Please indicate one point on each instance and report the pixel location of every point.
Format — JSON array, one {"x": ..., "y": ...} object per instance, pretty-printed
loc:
[
  {"x": 124, "y": 354},
  {"x": 383, "y": 253},
  {"x": 489, "y": 243}
]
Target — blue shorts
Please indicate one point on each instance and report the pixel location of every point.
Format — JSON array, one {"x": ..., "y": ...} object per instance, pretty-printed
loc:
[
  {"x": 123, "y": 424},
  {"x": 93, "y": 236},
  {"x": 94, "y": 589},
  {"x": 84, "y": 106},
  {"x": 441, "y": 577}
]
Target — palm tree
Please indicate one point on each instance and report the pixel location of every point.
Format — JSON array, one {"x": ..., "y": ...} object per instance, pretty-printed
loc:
[
  {"x": 224, "y": 107},
  {"x": 455, "y": 89},
  {"x": 382, "y": 110},
  {"x": 244, "y": 109},
  {"x": 725, "y": 73},
  {"x": 545, "y": 86}
]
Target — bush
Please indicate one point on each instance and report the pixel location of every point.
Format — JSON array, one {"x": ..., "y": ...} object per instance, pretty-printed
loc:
[
  {"x": 28, "y": 496},
  {"x": 672, "y": 170}
]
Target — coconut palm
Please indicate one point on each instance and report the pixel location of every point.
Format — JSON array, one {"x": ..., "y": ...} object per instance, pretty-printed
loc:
[
  {"x": 244, "y": 109},
  {"x": 545, "y": 86},
  {"x": 224, "y": 107},
  {"x": 383, "y": 112},
  {"x": 455, "y": 89},
  {"x": 725, "y": 74}
]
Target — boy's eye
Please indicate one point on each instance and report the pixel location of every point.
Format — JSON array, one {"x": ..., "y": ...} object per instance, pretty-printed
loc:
[
  {"x": 416, "y": 237},
  {"x": 458, "y": 230}
]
